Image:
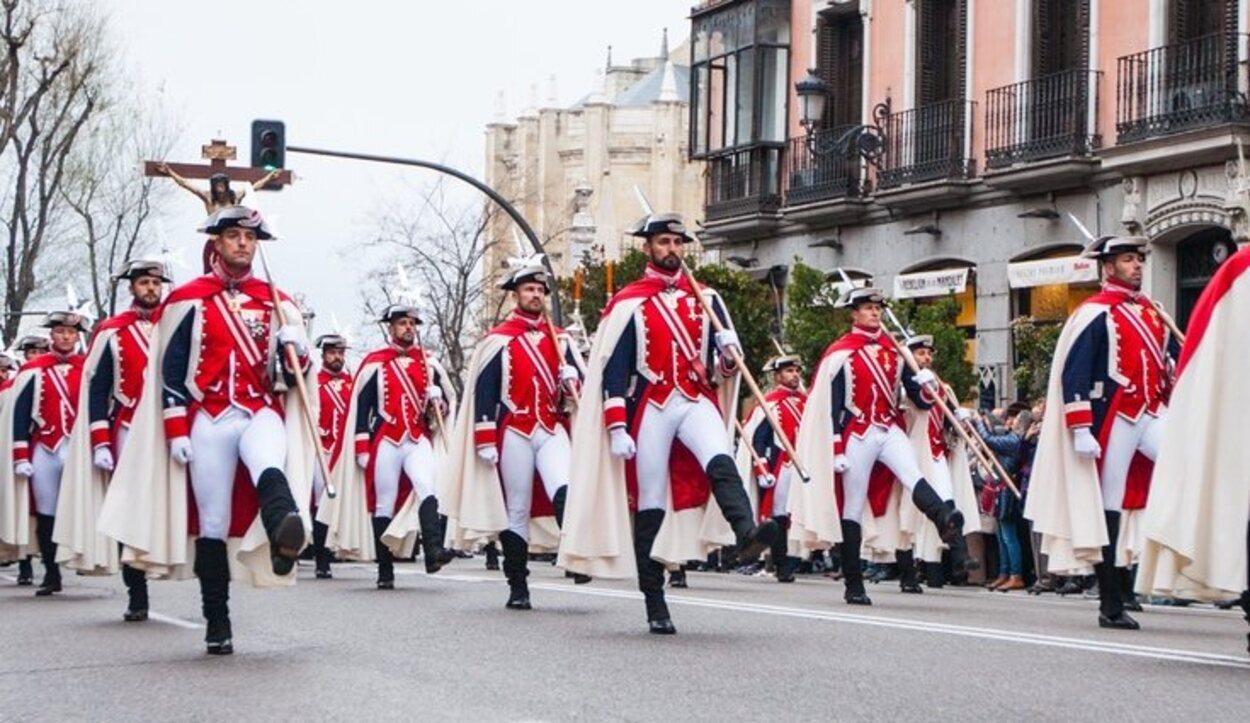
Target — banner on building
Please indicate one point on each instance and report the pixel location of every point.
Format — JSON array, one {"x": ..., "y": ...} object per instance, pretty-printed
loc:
[
  {"x": 931, "y": 283},
  {"x": 1065, "y": 270}
]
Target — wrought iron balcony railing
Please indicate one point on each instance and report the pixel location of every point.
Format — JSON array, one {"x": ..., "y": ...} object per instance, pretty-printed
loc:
[
  {"x": 822, "y": 166},
  {"x": 1180, "y": 87},
  {"x": 927, "y": 144},
  {"x": 1047, "y": 117},
  {"x": 744, "y": 181}
]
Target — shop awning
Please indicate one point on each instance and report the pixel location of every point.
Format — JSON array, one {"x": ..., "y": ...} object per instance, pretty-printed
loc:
[
  {"x": 931, "y": 283},
  {"x": 1063, "y": 270}
]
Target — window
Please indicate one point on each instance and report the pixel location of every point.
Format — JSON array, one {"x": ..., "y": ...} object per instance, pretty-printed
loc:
[
  {"x": 1193, "y": 19},
  {"x": 740, "y": 76},
  {"x": 840, "y": 53},
  {"x": 941, "y": 33},
  {"x": 1060, "y": 36},
  {"x": 1196, "y": 264}
]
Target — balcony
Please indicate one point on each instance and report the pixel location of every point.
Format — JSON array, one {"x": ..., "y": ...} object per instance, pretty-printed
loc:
[
  {"x": 1179, "y": 104},
  {"x": 1040, "y": 133},
  {"x": 825, "y": 183},
  {"x": 927, "y": 161},
  {"x": 744, "y": 189}
]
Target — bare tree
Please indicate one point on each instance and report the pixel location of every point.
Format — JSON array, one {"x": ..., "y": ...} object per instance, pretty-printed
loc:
[
  {"x": 443, "y": 245},
  {"x": 112, "y": 201},
  {"x": 56, "y": 110}
]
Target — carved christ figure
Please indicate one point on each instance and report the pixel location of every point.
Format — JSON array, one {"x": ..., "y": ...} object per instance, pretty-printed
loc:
[{"x": 218, "y": 194}]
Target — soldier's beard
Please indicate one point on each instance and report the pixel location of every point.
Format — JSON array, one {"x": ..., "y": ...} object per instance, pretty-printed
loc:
[
  {"x": 334, "y": 366},
  {"x": 147, "y": 303},
  {"x": 671, "y": 262}
]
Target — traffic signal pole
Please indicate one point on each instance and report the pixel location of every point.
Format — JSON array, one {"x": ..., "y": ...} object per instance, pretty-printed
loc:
[{"x": 499, "y": 200}]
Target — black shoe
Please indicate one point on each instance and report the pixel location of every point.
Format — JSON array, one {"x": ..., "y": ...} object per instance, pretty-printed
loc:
[
  {"x": 218, "y": 639},
  {"x": 386, "y": 584},
  {"x": 519, "y": 600},
  {"x": 25, "y": 572},
  {"x": 436, "y": 556},
  {"x": 857, "y": 598},
  {"x": 663, "y": 626},
  {"x": 577, "y": 577},
  {"x": 280, "y": 517},
  {"x": 47, "y": 588},
  {"x": 1120, "y": 622},
  {"x": 677, "y": 579},
  {"x": 784, "y": 570},
  {"x": 135, "y": 615},
  {"x": 1132, "y": 604},
  {"x": 492, "y": 557},
  {"x": 911, "y": 588},
  {"x": 324, "y": 574},
  {"x": 757, "y": 541}
]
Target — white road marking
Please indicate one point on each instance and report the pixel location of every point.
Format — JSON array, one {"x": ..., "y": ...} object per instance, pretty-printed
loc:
[{"x": 176, "y": 622}]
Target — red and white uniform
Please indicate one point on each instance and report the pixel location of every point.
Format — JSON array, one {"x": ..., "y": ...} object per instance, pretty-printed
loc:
[
  {"x": 117, "y": 380},
  {"x": 43, "y": 416},
  {"x": 787, "y": 405},
  {"x": 334, "y": 390}
]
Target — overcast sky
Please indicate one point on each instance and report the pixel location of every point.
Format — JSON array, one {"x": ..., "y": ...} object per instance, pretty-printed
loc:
[{"x": 415, "y": 79}]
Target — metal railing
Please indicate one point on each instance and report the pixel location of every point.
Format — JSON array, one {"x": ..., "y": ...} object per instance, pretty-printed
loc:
[
  {"x": 1180, "y": 87},
  {"x": 927, "y": 144},
  {"x": 820, "y": 167},
  {"x": 744, "y": 181},
  {"x": 1047, "y": 117}
]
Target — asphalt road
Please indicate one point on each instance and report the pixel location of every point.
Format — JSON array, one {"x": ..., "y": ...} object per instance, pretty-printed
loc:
[{"x": 443, "y": 647}]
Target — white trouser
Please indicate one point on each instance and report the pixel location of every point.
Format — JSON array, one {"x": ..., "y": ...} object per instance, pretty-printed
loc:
[
  {"x": 697, "y": 424},
  {"x": 544, "y": 451},
  {"x": 415, "y": 459},
  {"x": 1127, "y": 439},
  {"x": 889, "y": 446},
  {"x": 781, "y": 492},
  {"x": 46, "y": 480},
  {"x": 218, "y": 446}
]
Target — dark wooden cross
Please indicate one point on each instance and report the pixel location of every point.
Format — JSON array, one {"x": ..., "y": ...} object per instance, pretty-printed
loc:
[{"x": 217, "y": 153}]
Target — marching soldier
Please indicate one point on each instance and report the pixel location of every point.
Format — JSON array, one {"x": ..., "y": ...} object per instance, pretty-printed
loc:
[
  {"x": 113, "y": 380},
  {"x": 1111, "y": 377},
  {"x": 854, "y": 411},
  {"x": 219, "y": 415},
  {"x": 509, "y": 468},
  {"x": 399, "y": 394},
  {"x": 44, "y": 409},
  {"x": 652, "y": 433},
  {"x": 29, "y": 347},
  {"x": 773, "y": 472},
  {"x": 334, "y": 386}
]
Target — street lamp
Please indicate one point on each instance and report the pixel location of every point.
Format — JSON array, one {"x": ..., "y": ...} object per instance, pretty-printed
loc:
[
  {"x": 868, "y": 140},
  {"x": 812, "y": 93}
]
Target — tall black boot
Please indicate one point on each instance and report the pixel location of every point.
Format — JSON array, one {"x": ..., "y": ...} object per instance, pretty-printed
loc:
[
  {"x": 780, "y": 549},
  {"x": 726, "y": 483},
  {"x": 25, "y": 571},
  {"x": 213, "y": 569},
  {"x": 321, "y": 554},
  {"x": 492, "y": 556},
  {"x": 436, "y": 556},
  {"x": 137, "y": 594},
  {"x": 935, "y": 574},
  {"x": 47, "y": 551},
  {"x": 386, "y": 561},
  {"x": 650, "y": 572},
  {"x": 1110, "y": 598},
  {"x": 949, "y": 522},
  {"x": 852, "y": 565},
  {"x": 515, "y": 569},
  {"x": 558, "y": 501},
  {"x": 1128, "y": 577},
  {"x": 906, "y": 560},
  {"x": 281, "y": 519}
]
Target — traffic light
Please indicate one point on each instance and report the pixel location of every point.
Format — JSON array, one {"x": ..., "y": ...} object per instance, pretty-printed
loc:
[{"x": 268, "y": 144}]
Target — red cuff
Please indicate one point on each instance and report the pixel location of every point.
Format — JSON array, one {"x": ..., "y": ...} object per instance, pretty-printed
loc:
[
  {"x": 101, "y": 435},
  {"x": 175, "y": 423},
  {"x": 1078, "y": 414},
  {"x": 614, "y": 412},
  {"x": 485, "y": 434},
  {"x": 362, "y": 443},
  {"x": 21, "y": 452},
  {"x": 839, "y": 445}
]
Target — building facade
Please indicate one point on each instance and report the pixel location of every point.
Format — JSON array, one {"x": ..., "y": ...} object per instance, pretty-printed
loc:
[
  {"x": 572, "y": 171},
  {"x": 958, "y": 138}
]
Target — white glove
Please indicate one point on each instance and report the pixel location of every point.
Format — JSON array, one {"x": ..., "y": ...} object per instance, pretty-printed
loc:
[
  {"x": 766, "y": 480},
  {"x": 180, "y": 450},
  {"x": 925, "y": 377},
  {"x": 568, "y": 373},
  {"x": 488, "y": 454},
  {"x": 727, "y": 338},
  {"x": 841, "y": 464},
  {"x": 102, "y": 458},
  {"x": 293, "y": 336},
  {"x": 362, "y": 461},
  {"x": 963, "y": 414},
  {"x": 622, "y": 444},
  {"x": 24, "y": 469},
  {"x": 433, "y": 393},
  {"x": 1084, "y": 443}
]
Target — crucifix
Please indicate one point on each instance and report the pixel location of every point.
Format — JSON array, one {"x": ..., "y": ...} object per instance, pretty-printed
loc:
[{"x": 219, "y": 175}]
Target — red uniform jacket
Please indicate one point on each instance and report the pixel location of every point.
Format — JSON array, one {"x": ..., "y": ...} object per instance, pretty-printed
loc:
[{"x": 48, "y": 419}]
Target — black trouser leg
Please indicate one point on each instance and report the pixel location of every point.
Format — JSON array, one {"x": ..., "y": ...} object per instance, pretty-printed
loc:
[
  {"x": 321, "y": 553},
  {"x": 25, "y": 571},
  {"x": 1110, "y": 598},
  {"x": 386, "y": 561},
  {"x": 906, "y": 560},
  {"x": 280, "y": 516},
  {"x": 650, "y": 572},
  {"x": 516, "y": 569},
  {"x": 47, "y": 553},
  {"x": 852, "y": 565},
  {"x": 780, "y": 550},
  {"x": 727, "y": 487},
  {"x": 212, "y": 567},
  {"x": 431, "y": 536}
]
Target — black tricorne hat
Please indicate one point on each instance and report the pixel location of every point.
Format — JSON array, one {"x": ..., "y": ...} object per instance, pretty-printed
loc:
[
  {"x": 526, "y": 274},
  {"x": 920, "y": 341},
  {"x": 648, "y": 226},
  {"x": 138, "y": 268},
  {"x": 1105, "y": 247},
  {"x": 778, "y": 363},
  {"x": 65, "y": 318},
  {"x": 32, "y": 341},
  {"x": 237, "y": 217},
  {"x": 857, "y": 296},
  {"x": 400, "y": 311},
  {"x": 330, "y": 341}
]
